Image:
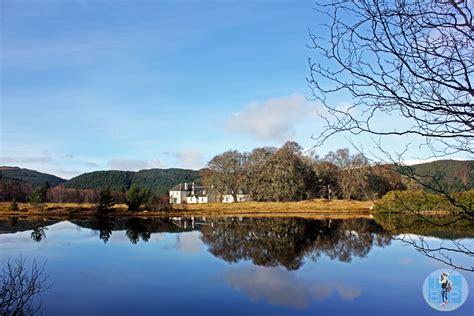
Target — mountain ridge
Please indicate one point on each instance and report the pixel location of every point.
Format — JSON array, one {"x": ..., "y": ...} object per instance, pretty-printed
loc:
[{"x": 453, "y": 174}]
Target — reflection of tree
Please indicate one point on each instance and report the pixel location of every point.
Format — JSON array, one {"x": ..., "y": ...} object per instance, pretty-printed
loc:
[
  {"x": 451, "y": 250},
  {"x": 346, "y": 238},
  {"x": 105, "y": 225},
  {"x": 13, "y": 221},
  {"x": 286, "y": 242},
  {"x": 19, "y": 287},
  {"x": 137, "y": 228},
  {"x": 39, "y": 233}
]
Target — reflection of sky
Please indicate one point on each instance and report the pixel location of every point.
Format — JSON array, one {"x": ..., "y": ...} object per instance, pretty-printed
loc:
[
  {"x": 174, "y": 274},
  {"x": 278, "y": 286}
]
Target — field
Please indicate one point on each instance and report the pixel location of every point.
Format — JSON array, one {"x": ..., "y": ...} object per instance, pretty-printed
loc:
[{"x": 311, "y": 208}]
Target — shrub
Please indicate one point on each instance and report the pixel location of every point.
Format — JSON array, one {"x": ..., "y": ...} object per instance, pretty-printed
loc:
[
  {"x": 14, "y": 206},
  {"x": 420, "y": 201}
]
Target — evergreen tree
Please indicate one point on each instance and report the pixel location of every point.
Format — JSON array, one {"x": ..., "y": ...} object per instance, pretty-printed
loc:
[
  {"x": 106, "y": 200},
  {"x": 136, "y": 197},
  {"x": 40, "y": 194}
]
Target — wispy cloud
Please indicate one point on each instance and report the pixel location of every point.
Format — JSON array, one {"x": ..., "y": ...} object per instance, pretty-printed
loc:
[
  {"x": 21, "y": 160},
  {"x": 133, "y": 164},
  {"x": 62, "y": 165},
  {"x": 273, "y": 119}
]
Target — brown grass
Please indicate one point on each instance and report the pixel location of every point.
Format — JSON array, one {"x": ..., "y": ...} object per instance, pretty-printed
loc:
[{"x": 307, "y": 209}]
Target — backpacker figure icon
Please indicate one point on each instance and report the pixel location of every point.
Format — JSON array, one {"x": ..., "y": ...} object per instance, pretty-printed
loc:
[{"x": 444, "y": 291}]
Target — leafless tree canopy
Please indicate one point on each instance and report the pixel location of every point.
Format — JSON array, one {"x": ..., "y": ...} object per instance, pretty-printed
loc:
[
  {"x": 19, "y": 287},
  {"x": 405, "y": 57}
]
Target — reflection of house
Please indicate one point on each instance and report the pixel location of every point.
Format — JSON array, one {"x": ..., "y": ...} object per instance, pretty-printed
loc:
[{"x": 192, "y": 193}]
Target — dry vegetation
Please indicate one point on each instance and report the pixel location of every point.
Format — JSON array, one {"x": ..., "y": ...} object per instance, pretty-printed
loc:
[{"x": 310, "y": 208}]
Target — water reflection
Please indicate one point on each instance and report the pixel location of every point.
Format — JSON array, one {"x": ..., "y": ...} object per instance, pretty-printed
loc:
[
  {"x": 415, "y": 231},
  {"x": 39, "y": 233},
  {"x": 286, "y": 242},
  {"x": 268, "y": 242},
  {"x": 279, "y": 286},
  {"x": 20, "y": 285},
  {"x": 105, "y": 226},
  {"x": 265, "y": 241},
  {"x": 195, "y": 265},
  {"x": 136, "y": 229}
]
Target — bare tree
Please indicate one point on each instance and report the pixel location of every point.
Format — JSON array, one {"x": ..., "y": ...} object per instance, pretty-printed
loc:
[
  {"x": 19, "y": 287},
  {"x": 451, "y": 253},
  {"x": 228, "y": 172},
  {"x": 353, "y": 173},
  {"x": 410, "y": 58},
  {"x": 407, "y": 57}
]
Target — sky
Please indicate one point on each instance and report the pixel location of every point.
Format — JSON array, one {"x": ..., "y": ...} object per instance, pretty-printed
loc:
[{"x": 130, "y": 85}]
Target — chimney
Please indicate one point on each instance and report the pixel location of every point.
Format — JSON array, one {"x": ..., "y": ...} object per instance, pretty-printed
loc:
[
  {"x": 192, "y": 189},
  {"x": 185, "y": 186}
]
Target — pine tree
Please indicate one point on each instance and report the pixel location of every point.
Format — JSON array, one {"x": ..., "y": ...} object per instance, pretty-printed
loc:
[
  {"x": 40, "y": 194},
  {"x": 106, "y": 200},
  {"x": 136, "y": 197}
]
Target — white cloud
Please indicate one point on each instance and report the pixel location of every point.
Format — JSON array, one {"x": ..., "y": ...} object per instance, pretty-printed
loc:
[
  {"x": 133, "y": 164},
  {"x": 189, "y": 158},
  {"x": 273, "y": 119}
]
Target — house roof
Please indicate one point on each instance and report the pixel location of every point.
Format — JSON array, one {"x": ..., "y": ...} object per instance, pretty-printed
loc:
[
  {"x": 199, "y": 190},
  {"x": 178, "y": 187}
]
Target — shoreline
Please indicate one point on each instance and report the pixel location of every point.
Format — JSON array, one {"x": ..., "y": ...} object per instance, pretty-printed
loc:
[{"x": 306, "y": 209}]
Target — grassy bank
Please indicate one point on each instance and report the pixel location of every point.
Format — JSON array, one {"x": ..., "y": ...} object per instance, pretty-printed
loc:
[
  {"x": 423, "y": 203},
  {"x": 312, "y": 208}
]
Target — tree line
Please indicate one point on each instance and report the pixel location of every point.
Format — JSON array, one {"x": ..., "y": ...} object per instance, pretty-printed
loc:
[
  {"x": 136, "y": 197},
  {"x": 21, "y": 191},
  {"x": 288, "y": 174}
]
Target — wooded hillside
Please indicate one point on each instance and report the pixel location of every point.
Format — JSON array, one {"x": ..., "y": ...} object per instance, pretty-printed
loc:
[
  {"x": 35, "y": 178},
  {"x": 156, "y": 180}
]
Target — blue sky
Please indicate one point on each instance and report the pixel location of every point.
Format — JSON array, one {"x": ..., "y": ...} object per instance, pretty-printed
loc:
[{"x": 93, "y": 85}]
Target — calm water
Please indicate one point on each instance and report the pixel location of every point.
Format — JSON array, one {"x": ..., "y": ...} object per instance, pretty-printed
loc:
[{"x": 231, "y": 266}]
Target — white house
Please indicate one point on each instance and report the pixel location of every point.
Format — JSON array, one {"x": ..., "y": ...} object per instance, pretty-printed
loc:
[
  {"x": 179, "y": 193},
  {"x": 192, "y": 194},
  {"x": 229, "y": 198}
]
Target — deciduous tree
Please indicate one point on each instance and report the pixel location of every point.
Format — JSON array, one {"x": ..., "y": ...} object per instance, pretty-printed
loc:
[{"x": 228, "y": 172}]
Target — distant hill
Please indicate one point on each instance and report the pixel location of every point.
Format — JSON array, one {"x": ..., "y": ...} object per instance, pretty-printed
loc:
[
  {"x": 157, "y": 180},
  {"x": 32, "y": 177},
  {"x": 452, "y": 175}
]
